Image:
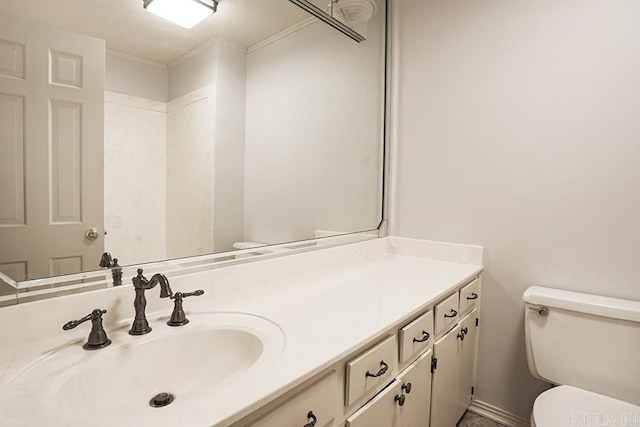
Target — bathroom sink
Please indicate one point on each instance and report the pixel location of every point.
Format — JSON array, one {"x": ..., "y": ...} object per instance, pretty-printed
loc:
[{"x": 121, "y": 380}]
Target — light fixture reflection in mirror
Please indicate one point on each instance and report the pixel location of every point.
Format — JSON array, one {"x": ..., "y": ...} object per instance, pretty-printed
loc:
[{"x": 186, "y": 13}]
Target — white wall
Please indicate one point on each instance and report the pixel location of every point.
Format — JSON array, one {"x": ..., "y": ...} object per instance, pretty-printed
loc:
[
  {"x": 134, "y": 77},
  {"x": 195, "y": 71},
  {"x": 229, "y": 134},
  {"x": 190, "y": 174},
  {"x": 311, "y": 153},
  {"x": 135, "y": 158},
  {"x": 221, "y": 67},
  {"x": 517, "y": 129}
]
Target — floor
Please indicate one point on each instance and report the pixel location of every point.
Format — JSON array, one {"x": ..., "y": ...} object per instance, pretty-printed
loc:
[{"x": 473, "y": 420}]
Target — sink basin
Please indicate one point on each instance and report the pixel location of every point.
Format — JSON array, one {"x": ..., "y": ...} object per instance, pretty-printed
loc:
[{"x": 119, "y": 381}]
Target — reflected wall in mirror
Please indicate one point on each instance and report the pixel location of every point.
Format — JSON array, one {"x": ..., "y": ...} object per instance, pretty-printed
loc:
[{"x": 258, "y": 126}]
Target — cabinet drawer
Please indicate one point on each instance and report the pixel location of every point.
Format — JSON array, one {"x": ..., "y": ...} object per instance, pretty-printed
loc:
[
  {"x": 446, "y": 313},
  {"x": 469, "y": 296},
  {"x": 416, "y": 336},
  {"x": 318, "y": 400},
  {"x": 372, "y": 369}
]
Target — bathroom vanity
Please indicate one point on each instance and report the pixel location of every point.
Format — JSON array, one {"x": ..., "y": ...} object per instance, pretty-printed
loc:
[{"x": 377, "y": 333}]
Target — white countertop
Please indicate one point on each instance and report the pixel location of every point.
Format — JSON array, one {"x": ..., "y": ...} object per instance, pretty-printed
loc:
[{"x": 327, "y": 303}]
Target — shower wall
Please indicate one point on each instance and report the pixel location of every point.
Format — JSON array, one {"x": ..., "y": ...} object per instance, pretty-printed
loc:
[
  {"x": 175, "y": 139},
  {"x": 135, "y": 158},
  {"x": 135, "y": 184}
]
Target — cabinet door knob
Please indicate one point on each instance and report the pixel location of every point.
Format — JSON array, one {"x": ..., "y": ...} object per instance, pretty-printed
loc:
[
  {"x": 400, "y": 399},
  {"x": 313, "y": 419},
  {"x": 465, "y": 330},
  {"x": 460, "y": 337},
  {"x": 425, "y": 337},
  {"x": 382, "y": 371},
  {"x": 406, "y": 388},
  {"x": 452, "y": 313},
  {"x": 472, "y": 296}
]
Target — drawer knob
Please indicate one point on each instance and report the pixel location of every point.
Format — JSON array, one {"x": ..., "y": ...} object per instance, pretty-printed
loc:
[
  {"x": 383, "y": 370},
  {"x": 461, "y": 336},
  {"x": 406, "y": 388},
  {"x": 425, "y": 337},
  {"x": 400, "y": 399},
  {"x": 312, "y": 417},
  {"x": 452, "y": 313},
  {"x": 465, "y": 330},
  {"x": 472, "y": 296}
]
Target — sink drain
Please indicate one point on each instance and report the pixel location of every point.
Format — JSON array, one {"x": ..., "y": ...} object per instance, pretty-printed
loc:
[{"x": 161, "y": 399}]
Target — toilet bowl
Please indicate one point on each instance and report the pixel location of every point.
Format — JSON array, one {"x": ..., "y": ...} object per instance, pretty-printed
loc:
[
  {"x": 589, "y": 346},
  {"x": 579, "y": 407}
]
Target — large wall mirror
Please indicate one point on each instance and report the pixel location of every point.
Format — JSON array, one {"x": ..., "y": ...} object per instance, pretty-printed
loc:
[{"x": 125, "y": 133}]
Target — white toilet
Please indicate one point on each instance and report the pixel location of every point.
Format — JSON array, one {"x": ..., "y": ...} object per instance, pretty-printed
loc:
[{"x": 589, "y": 346}]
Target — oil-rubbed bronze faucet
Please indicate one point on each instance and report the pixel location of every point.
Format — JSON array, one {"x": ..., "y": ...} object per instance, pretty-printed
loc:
[
  {"x": 178, "y": 318},
  {"x": 97, "y": 337},
  {"x": 140, "y": 325}
]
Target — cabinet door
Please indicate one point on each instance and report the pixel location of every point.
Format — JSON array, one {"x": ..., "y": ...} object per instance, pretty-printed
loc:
[
  {"x": 404, "y": 403},
  {"x": 467, "y": 358},
  {"x": 444, "y": 391},
  {"x": 415, "y": 384},
  {"x": 381, "y": 411}
]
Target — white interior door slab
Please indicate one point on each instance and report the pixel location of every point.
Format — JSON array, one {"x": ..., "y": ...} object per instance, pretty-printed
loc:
[{"x": 51, "y": 151}]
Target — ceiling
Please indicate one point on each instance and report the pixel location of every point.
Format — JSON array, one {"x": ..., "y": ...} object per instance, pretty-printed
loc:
[{"x": 130, "y": 29}]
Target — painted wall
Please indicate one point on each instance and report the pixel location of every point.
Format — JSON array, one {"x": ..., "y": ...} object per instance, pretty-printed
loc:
[
  {"x": 517, "y": 129},
  {"x": 135, "y": 77},
  {"x": 305, "y": 167},
  {"x": 190, "y": 174},
  {"x": 229, "y": 136},
  {"x": 221, "y": 67}
]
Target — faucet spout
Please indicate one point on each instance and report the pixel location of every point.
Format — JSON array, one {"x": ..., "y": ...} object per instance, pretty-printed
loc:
[{"x": 140, "y": 324}]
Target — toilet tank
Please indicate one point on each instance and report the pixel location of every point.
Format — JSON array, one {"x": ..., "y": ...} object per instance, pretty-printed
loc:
[{"x": 587, "y": 341}]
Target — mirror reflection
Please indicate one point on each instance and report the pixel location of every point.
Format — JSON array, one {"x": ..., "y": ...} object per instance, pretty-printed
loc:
[{"x": 125, "y": 133}]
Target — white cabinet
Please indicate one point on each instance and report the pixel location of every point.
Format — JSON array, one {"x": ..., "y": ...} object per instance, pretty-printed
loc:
[
  {"x": 404, "y": 403},
  {"x": 433, "y": 391},
  {"x": 454, "y": 372}
]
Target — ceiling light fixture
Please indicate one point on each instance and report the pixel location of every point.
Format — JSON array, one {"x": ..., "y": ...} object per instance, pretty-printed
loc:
[{"x": 186, "y": 13}]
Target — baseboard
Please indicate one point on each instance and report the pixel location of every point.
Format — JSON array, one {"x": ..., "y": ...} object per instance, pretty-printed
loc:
[{"x": 498, "y": 415}]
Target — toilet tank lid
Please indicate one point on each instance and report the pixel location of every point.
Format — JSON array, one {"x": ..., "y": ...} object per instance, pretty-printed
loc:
[{"x": 596, "y": 305}]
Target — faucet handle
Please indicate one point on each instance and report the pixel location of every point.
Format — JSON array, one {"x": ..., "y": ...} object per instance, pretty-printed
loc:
[
  {"x": 178, "y": 318},
  {"x": 97, "y": 337},
  {"x": 192, "y": 294}
]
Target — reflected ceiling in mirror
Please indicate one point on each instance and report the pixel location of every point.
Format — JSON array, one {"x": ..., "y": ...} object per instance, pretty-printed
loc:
[{"x": 123, "y": 132}]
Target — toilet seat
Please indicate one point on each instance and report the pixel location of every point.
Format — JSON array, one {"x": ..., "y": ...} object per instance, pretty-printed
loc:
[{"x": 570, "y": 406}]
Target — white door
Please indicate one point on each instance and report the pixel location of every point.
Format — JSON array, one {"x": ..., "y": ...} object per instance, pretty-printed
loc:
[{"x": 51, "y": 151}]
